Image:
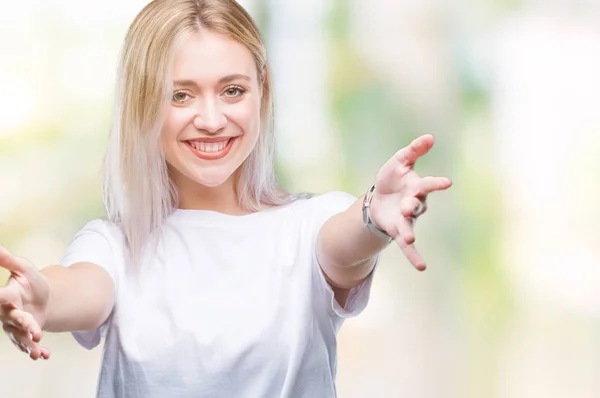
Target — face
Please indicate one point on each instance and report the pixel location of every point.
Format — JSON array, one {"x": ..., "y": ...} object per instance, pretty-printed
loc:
[{"x": 213, "y": 121}]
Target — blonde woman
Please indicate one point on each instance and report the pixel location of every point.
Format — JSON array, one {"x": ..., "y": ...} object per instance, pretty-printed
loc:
[{"x": 206, "y": 279}]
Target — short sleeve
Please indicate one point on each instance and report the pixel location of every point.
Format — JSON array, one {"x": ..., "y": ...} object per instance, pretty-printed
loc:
[
  {"x": 324, "y": 207},
  {"x": 94, "y": 243}
]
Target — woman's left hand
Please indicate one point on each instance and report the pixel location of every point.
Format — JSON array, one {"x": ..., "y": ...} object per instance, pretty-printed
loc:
[{"x": 400, "y": 196}]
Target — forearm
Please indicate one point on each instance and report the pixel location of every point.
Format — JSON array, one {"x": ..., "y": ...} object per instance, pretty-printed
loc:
[
  {"x": 81, "y": 297},
  {"x": 346, "y": 248}
]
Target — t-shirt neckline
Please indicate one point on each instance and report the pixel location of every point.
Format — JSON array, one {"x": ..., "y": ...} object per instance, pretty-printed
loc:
[{"x": 215, "y": 218}]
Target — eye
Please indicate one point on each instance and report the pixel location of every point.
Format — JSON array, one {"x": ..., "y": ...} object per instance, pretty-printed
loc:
[
  {"x": 234, "y": 91},
  {"x": 180, "y": 97}
]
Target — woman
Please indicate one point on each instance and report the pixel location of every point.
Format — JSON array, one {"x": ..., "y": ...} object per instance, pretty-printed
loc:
[{"x": 205, "y": 278}]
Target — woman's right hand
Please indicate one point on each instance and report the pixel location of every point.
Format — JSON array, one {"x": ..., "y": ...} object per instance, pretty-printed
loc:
[{"x": 23, "y": 303}]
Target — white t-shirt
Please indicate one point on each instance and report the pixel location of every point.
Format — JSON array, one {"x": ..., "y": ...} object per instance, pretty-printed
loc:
[{"x": 230, "y": 306}]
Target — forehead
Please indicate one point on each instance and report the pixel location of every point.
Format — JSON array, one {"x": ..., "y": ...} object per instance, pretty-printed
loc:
[{"x": 205, "y": 57}]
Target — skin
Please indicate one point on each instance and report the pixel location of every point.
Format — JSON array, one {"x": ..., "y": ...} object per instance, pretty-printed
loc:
[
  {"x": 217, "y": 93},
  {"x": 398, "y": 200}
]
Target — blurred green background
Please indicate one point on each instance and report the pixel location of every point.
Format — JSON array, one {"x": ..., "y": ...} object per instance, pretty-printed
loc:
[{"x": 511, "y": 90}]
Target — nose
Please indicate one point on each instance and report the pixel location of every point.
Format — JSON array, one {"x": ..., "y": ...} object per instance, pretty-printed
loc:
[{"x": 210, "y": 117}]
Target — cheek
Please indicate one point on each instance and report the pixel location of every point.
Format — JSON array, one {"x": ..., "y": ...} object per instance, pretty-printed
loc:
[
  {"x": 175, "y": 120},
  {"x": 247, "y": 117},
  {"x": 174, "y": 123}
]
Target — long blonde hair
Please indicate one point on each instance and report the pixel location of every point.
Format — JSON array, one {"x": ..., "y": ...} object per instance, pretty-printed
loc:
[{"x": 138, "y": 193}]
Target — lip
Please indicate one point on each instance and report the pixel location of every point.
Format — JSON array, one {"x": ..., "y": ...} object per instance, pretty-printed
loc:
[
  {"x": 211, "y": 155},
  {"x": 209, "y": 139}
]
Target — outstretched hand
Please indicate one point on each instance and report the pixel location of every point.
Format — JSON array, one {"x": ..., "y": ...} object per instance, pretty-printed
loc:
[
  {"x": 23, "y": 304},
  {"x": 400, "y": 196}
]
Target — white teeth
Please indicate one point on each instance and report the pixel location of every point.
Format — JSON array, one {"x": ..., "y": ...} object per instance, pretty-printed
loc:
[{"x": 207, "y": 147}]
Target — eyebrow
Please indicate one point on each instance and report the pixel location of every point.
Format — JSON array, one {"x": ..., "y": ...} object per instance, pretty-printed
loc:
[{"x": 224, "y": 79}]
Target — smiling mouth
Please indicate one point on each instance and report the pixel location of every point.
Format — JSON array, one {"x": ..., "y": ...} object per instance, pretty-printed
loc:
[{"x": 211, "y": 150}]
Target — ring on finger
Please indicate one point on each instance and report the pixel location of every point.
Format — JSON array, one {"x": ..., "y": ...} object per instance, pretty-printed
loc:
[{"x": 418, "y": 209}]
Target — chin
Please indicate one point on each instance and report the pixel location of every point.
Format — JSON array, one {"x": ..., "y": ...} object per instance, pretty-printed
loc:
[
  {"x": 189, "y": 170},
  {"x": 212, "y": 180}
]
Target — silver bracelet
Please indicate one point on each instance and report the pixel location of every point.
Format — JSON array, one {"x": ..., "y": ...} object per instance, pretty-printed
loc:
[{"x": 366, "y": 212}]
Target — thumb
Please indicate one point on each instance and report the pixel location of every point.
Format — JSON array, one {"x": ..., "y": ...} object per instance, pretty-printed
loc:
[{"x": 11, "y": 262}]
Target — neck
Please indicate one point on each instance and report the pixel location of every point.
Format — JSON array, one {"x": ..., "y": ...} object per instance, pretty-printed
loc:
[{"x": 222, "y": 198}]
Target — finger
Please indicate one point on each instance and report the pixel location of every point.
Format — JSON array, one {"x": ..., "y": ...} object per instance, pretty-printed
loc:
[
  {"x": 414, "y": 257},
  {"x": 7, "y": 329},
  {"x": 412, "y": 207},
  {"x": 7, "y": 299},
  {"x": 36, "y": 352},
  {"x": 426, "y": 185},
  {"x": 405, "y": 240},
  {"x": 11, "y": 262},
  {"x": 44, "y": 352},
  {"x": 23, "y": 341},
  {"x": 19, "y": 337},
  {"x": 406, "y": 235},
  {"x": 24, "y": 321},
  {"x": 408, "y": 155}
]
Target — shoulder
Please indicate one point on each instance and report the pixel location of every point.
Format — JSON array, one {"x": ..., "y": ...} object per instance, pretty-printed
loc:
[
  {"x": 102, "y": 228},
  {"x": 318, "y": 208},
  {"x": 98, "y": 242},
  {"x": 98, "y": 236},
  {"x": 331, "y": 200},
  {"x": 334, "y": 196}
]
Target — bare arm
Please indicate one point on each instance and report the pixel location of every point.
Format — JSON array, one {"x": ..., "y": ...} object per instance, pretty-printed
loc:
[
  {"x": 346, "y": 248},
  {"x": 81, "y": 297},
  {"x": 56, "y": 299}
]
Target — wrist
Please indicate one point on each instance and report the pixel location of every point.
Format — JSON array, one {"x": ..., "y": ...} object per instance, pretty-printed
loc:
[{"x": 368, "y": 221}]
